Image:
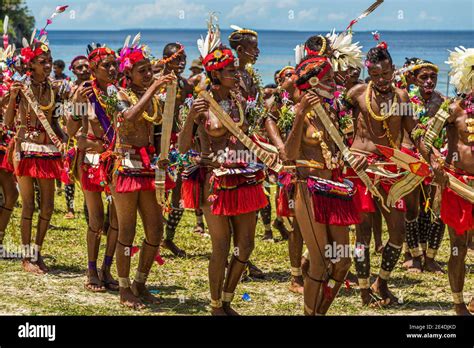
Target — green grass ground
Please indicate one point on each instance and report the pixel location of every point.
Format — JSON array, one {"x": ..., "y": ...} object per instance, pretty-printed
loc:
[{"x": 183, "y": 283}]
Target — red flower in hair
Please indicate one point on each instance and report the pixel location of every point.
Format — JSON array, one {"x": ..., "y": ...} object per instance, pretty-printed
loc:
[{"x": 382, "y": 45}]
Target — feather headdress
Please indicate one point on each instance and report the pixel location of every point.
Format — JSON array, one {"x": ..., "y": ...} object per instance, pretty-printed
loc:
[
  {"x": 239, "y": 30},
  {"x": 345, "y": 53},
  {"x": 7, "y": 51},
  {"x": 38, "y": 43},
  {"x": 461, "y": 61},
  {"x": 215, "y": 56},
  {"x": 213, "y": 37},
  {"x": 131, "y": 54}
]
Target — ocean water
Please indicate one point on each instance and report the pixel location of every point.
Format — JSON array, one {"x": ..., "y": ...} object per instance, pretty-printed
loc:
[{"x": 276, "y": 46}]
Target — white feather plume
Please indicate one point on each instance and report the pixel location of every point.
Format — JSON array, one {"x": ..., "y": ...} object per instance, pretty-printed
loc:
[
  {"x": 300, "y": 53},
  {"x": 462, "y": 69},
  {"x": 127, "y": 41},
  {"x": 345, "y": 54},
  {"x": 136, "y": 40},
  {"x": 25, "y": 43},
  {"x": 5, "y": 25},
  {"x": 236, "y": 27},
  {"x": 33, "y": 34},
  {"x": 213, "y": 37}
]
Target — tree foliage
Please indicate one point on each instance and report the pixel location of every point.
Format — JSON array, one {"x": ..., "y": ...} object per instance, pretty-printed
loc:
[{"x": 22, "y": 22}]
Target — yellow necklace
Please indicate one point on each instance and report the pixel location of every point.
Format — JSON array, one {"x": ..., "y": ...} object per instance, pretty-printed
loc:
[
  {"x": 134, "y": 99},
  {"x": 368, "y": 103},
  {"x": 52, "y": 100}
]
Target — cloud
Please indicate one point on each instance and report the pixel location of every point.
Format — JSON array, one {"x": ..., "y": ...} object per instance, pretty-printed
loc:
[
  {"x": 308, "y": 15},
  {"x": 424, "y": 16},
  {"x": 336, "y": 16}
]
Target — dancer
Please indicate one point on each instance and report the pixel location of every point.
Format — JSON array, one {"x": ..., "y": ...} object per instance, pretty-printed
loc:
[
  {"x": 92, "y": 131},
  {"x": 133, "y": 186},
  {"x": 230, "y": 194},
  {"x": 385, "y": 128},
  {"x": 456, "y": 211},
  {"x": 324, "y": 206}
]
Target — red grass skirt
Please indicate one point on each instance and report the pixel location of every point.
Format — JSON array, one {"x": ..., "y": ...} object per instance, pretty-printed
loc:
[
  {"x": 90, "y": 179},
  {"x": 287, "y": 189},
  {"x": 238, "y": 194},
  {"x": 363, "y": 198},
  {"x": 39, "y": 161},
  {"x": 191, "y": 187},
  {"x": 333, "y": 202},
  {"x": 456, "y": 212},
  {"x": 133, "y": 179},
  {"x": 5, "y": 164}
]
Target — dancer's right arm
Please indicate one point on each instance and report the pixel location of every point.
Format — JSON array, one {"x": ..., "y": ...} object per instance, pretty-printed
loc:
[
  {"x": 293, "y": 143},
  {"x": 185, "y": 140}
]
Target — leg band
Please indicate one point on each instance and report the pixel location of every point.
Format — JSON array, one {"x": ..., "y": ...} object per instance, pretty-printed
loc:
[
  {"x": 227, "y": 296},
  {"x": 296, "y": 271},
  {"x": 364, "y": 283},
  {"x": 391, "y": 254},
  {"x": 458, "y": 297},
  {"x": 108, "y": 260},
  {"x": 150, "y": 245},
  {"x": 216, "y": 303},
  {"x": 172, "y": 222},
  {"x": 124, "y": 282},
  {"x": 424, "y": 221},
  {"x": 267, "y": 215},
  {"x": 141, "y": 277},
  {"x": 412, "y": 233},
  {"x": 7, "y": 209},
  {"x": 362, "y": 261},
  {"x": 92, "y": 265},
  {"x": 435, "y": 236}
]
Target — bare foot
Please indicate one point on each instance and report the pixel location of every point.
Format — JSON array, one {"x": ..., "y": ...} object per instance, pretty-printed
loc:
[
  {"x": 109, "y": 282},
  {"x": 471, "y": 305},
  {"x": 40, "y": 263},
  {"x": 228, "y": 309},
  {"x": 69, "y": 215},
  {"x": 219, "y": 312},
  {"x": 432, "y": 266},
  {"x": 406, "y": 256},
  {"x": 169, "y": 244},
  {"x": 416, "y": 266},
  {"x": 31, "y": 267},
  {"x": 254, "y": 271},
  {"x": 268, "y": 235},
  {"x": 380, "y": 288},
  {"x": 142, "y": 292},
  {"x": 94, "y": 284},
  {"x": 280, "y": 226},
  {"x": 368, "y": 297},
  {"x": 296, "y": 285},
  {"x": 199, "y": 228},
  {"x": 128, "y": 299},
  {"x": 461, "y": 309}
]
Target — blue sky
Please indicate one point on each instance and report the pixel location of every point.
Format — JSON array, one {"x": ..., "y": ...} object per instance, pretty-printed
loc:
[{"x": 259, "y": 14}]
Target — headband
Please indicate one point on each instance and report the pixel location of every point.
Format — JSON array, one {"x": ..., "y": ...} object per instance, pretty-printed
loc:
[
  {"x": 173, "y": 56},
  {"x": 310, "y": 52},
  {"x": 311, "y": 64},
  {"x": 100, "y": 53},
  {"x": 75, "y": 59},
  {"x": 218, "y": 59}
]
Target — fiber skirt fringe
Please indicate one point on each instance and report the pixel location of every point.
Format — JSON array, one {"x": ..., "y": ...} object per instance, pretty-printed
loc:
[
  {"x": 286, "y": 192},
  {"x": 456, "y": 212},
  {"x": 5, "y": 164},
  {"x": 94, "y": 175},
  {"x": 333, "y": 202},
  {"x": 191, "y": 187},
  {"x": 237, "y": 194},
  {"x": 132, "y": 176},
  {"x": 39, "y": 161}
]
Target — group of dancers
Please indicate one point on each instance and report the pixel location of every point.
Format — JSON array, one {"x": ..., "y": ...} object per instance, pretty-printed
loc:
[{"x": 343, "y": 151}]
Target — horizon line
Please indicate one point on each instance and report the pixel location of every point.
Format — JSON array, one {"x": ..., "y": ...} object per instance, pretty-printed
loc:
[{"x": 268, "y": 30}]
